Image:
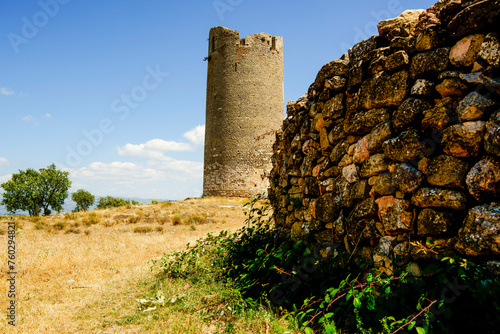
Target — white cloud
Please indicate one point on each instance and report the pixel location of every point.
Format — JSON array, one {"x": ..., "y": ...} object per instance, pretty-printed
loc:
[
  {"x": 5, "y": 178},
  {"x": 4, "y": 161},
  {"x": 30, "y": 119},
  {"x": 165, "y": 178},
  {"x": 6, "y": 91},
  {"x": 196, "y": 135},
  {"x": 47, "y": 115},
  {"x": 153, "y": 149}
]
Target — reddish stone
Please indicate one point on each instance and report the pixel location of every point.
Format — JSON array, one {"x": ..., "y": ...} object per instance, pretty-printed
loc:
[
  {"x": 451, "y": 88},
  {"x": 466, "y": 50},
  {"x": 463, "y": 140},
  {"x": 395, "y": 214}
]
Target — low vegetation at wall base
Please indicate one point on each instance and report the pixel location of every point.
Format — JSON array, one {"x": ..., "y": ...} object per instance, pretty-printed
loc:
[{"x": 293, "y": 279}]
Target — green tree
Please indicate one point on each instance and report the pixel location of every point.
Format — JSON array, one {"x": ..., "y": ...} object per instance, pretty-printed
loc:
[
  {"x": 36, "y": 191},
  {"x": 83, "y": 200},
  {"x": 111, "y": 202}
]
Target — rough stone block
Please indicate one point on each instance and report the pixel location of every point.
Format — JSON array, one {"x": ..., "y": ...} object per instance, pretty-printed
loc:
[
  {"x": 439, "y": 198},
  {"x": 447, "y": 171},
  {"x": 384, "y": 90},
  {"x": 463, "y": 140},
  {"x": 480, "y": 233}
]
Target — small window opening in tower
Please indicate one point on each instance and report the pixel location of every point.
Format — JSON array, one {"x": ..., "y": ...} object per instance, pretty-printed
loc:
[
  {"x": 242, "y": 41},
  {"x": 213, "y": 43},
  {"x": 273, "y": 45},
  {"x": 236, "y": 70}
]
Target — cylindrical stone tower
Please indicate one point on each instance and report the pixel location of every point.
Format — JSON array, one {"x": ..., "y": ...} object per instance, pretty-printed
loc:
[{"x": 245, "y": 107}]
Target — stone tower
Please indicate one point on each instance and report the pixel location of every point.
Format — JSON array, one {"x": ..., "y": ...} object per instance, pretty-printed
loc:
[{"x": 245, "y": 106}]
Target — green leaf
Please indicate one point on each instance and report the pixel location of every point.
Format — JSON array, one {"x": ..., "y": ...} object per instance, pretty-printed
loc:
[
  {"x": 356, "y": 302},
  {"x": 420, "y": 330},
  {"x": 308, "y": 330},
  {"x": 410, "y": 326}
]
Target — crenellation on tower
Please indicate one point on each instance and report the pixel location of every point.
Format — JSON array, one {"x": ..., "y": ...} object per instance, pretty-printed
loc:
[{"x": 245, "y": 106}]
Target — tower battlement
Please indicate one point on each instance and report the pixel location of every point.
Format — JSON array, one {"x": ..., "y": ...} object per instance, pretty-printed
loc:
[{"x": 245, "y": 105}]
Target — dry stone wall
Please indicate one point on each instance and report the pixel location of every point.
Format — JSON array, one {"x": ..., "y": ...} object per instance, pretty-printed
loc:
[{"x": 396, "y": 146}]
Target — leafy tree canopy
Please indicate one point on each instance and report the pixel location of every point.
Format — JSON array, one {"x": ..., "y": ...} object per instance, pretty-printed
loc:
[
  {"x": 36, "y": 191},
  {"x": 83, "y": 199},
  {"x": 113, "y": 202}
]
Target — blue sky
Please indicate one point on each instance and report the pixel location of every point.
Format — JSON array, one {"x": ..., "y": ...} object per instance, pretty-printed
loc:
[{"x": 114, "y": 91}]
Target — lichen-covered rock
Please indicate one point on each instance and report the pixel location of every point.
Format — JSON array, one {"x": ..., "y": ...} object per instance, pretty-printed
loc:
[
  {"x": 429, "y": 62},
  {"x": 451, "y": 87},
  {"x": 334, "y": 107},
  {"x": 367, "y": 208},
  {"x": 406, "y": 146},
  {"x": 433, "y": 222},
  {"x": 383, "y": 90},
  {"x": 481, "y": 79},
  {"x": 408, "y": 113},
  {"x": 396, "y": 215},
  {"x": 447, "y": 171},
  {"x": 431, "y": 37},
  {"x": 480, "y": 232},
  {"x": 466, "y": 50},
  {"x": 483, "y": 180},
  {"x": 400, "y": 25},
  {"x": 490, "y": 49},
  {"x": 374, "y": 165},
  {"x": 492, "y": 136},
  {"x": 339, "y": 67},
  {"x": 338, "y": 151},
  {"x": 438, "y": 118},
  {"x": 406, "y": 178},
  {"x": 363, "y": 121},
  {"x": 335, "y": 83},
  {"x": 337, "y": 228},
  {"x": 361, "y": 49},
  {"x": 473, "y": 107},
  {"x": 383, "y": 185},
  {"x": 350, "y": 173},
  {"x": 422, "y": 87},
  {"x": 355, "y": 76},
  {"x": 311, "y": 187},
  {"x": 363, "y": 229},
  {"x": 463, "y": 140},
  {"x": 474, "y": 17},
  {"x": 383, "y": 254},
  {"x": 439, "y": 198},
  {"x": 371, "y": 143},
  {"x": 398, "y": 60}
]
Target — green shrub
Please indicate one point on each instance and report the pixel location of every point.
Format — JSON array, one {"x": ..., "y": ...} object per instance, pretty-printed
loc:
[
  {"x": 134, "y": 219},
  {"x": 154, "y": 202},
  {"x": 40, "y": 225},
  {"x": 143, "y": 229},
  {"x": 59, "y": 226},
  {"x": 91, "y": 219},
  {"x": 177, "y": 219},
  {"x": 111, "y": 202}
]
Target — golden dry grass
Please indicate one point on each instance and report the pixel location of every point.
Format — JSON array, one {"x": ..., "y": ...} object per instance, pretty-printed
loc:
[{"x": 76, "y": 269}]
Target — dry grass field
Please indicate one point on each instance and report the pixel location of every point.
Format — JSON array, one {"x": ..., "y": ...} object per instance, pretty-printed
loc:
[{"x": 80, "y": 272}]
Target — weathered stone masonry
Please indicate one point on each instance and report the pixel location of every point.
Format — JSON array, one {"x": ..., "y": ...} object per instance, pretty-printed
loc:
[
  {"x": 245, "y": 102},
  {"x": 397, "y": 144}
]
